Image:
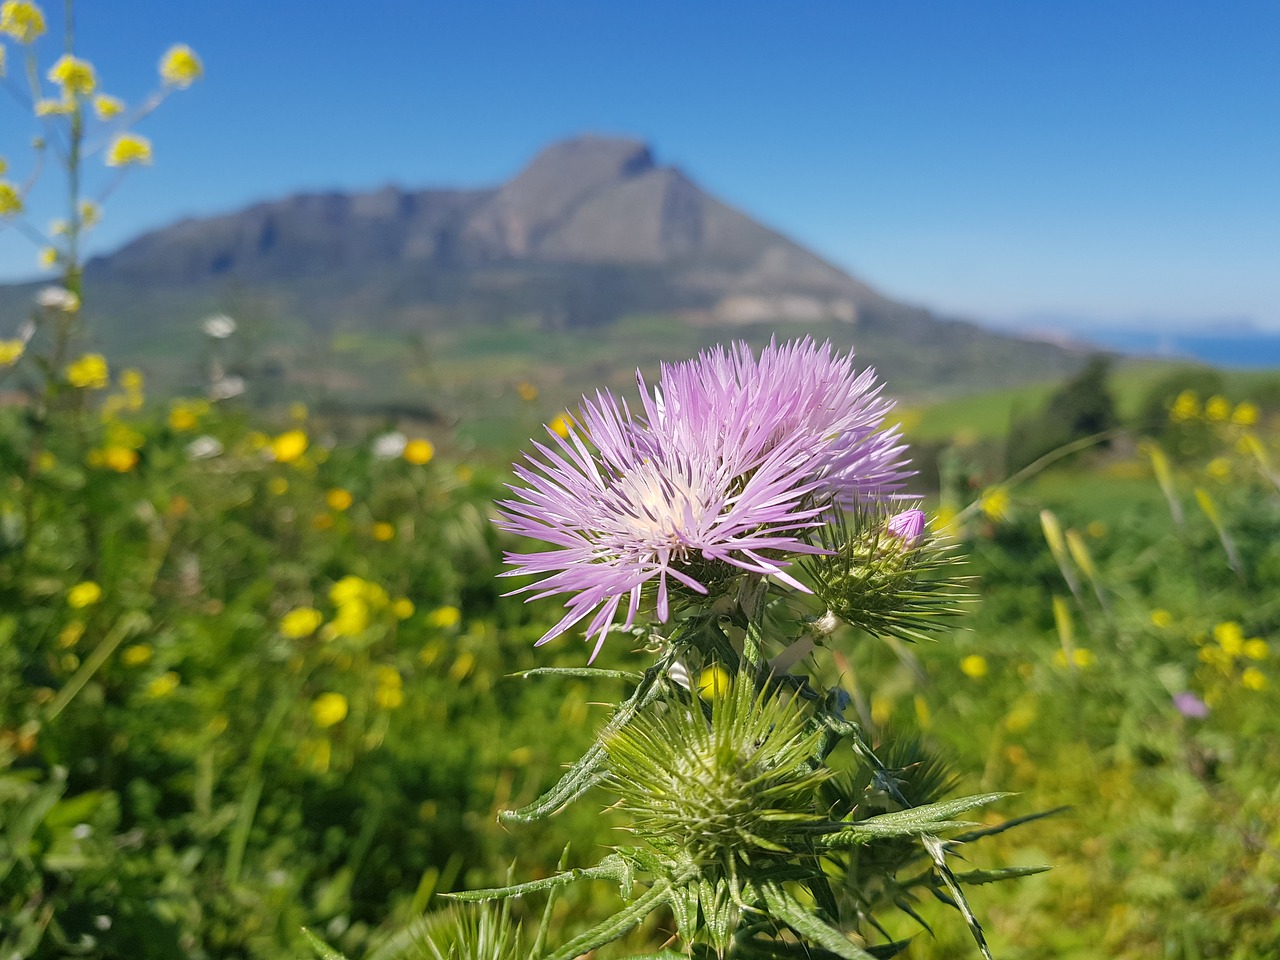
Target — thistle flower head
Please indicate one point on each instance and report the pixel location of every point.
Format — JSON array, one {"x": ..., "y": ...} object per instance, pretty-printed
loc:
[
  {"x": 720, "y": 793},
  {"x": 726, "y": 465}
]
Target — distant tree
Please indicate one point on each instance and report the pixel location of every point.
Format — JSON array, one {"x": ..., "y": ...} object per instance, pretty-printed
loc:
[{"x": 1081, "y": 407}]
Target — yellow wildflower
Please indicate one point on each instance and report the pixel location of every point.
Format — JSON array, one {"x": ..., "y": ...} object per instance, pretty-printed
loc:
[
  {"x": 180, "y": 67},
  {"x": 74, "y": 75},
  {"x": 1217, "y": 408},
  {"x": 527, "y": 391},
  {"x": 328, "y": 709},
  {"x": 1215, "y": 657},
  {"x": 163, "y": 685},
  {"x": 289, "y": 446},
  {"x": 70, "y": 635},
  {"x": 1021, "y": 716},
  {"x": 1230, "y": 637},
  {"x": 10, "y": 199},
  {"x": 11, "y": 351},
  {"x": 462, "y": 667},
  {"x": 388, "y": 698},
  {"x": 84, "y": 594},
  {"x": 128, "y": 149},
  {"x": 47, "y": 107},
  {"x": 1185, "y": 407},
  {"x": 21, "y": 20},
  {"x": 90, "y": 214},
  {"x": 136, "y": 655},
  {"x": 389, "y": 693},
  {"x": 995, "y": 504},
  {"x": 351, "y": 620},
  {"x": 1219, "y": 468},
  {"x": 48, "y": 257},
  {"x": 1253, "y": 679},
  {"x": 974, "y": 666},
  {"x": 1081, "y": 658},
  {"x": 338, "y": 499},
  {"x": 107, "y": 107},
  {"x": 119, "y": 459},
  {"x": 403, "y": 608},
  {"x": 89, "y": 372},
  {"x": 419, "y": 451},
  {"x": 346, "y": 590},
  {"x": 1245, "y": 415},
  {"x": 301, "y": 622},
  {"x": 383, "y": 531},
  {"x": 560, "y": 425},
  {"x": 1255, "y": 648},
  {"x": 713, "y": 682},
  {"x": 444, "y": 618},
  {"x": 1161, "y": 618}
]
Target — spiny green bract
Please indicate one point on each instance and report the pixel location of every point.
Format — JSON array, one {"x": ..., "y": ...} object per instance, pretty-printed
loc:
[
  {"x": 872, "y": 579},
  {"x": 721, "y": 789}
]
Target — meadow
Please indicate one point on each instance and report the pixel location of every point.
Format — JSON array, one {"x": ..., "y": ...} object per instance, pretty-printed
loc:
[
  {"x": 261, "y": 679},
  {"x": 264, "y": 691}
]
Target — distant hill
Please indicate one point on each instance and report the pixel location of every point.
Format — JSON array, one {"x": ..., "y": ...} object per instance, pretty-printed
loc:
[{"x": 592, "y": 231}]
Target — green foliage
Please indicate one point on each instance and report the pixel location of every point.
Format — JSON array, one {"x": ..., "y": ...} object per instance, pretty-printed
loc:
[{"x": 1081, "y": 407}]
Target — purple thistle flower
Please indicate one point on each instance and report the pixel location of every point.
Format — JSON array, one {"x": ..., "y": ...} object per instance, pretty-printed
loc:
[{"x": 730, "y": 463}]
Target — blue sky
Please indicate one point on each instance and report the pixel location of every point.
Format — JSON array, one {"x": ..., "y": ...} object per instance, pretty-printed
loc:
[{"x": 990, "y": 158}]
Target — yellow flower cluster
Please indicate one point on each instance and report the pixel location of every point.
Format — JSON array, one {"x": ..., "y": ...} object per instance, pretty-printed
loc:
[
  {"x": 184, "y": 415},
  {"x": 338, "y": 499},
  {"x": 974, "y": 666},
  {"x": 73, "y": 75},
  {"x": 84, "y": 594},
  {"x": 128, "y": 149},
  {"x": 10, "y": 199},
  {"x": 357, "y": 601},
  {"x": 11, "y": 351},
  {"x": 21, "y": 20},
  {"x": 301, "y": 622},
  {"x": 89, "y": 372},
  {"x": 1186, "y": 408},
  {"x": 180, "y": 67},
  {"x": 119, "y": 451},
  {"x": 444, "y": 618},
  {"x": 995, "y": 504},
  {"x": 289, "y": 446},
  {"x": 130, "y": 398},
  {"x": 389, "y": 692},
  {"x": 1230, "y": 654},
  {"x": 419, "y": 451},
  {"x": 107, "y": 107},
  {"x": 328, "y": 709},
  {"x": 560, "y": 425}
]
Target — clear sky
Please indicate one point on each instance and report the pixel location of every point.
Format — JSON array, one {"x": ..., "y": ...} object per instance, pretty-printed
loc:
[{"x": 988, "y": 158}]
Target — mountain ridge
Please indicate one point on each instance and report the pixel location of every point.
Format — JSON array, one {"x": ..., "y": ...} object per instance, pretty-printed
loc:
[{"x": 591, "y": 232}]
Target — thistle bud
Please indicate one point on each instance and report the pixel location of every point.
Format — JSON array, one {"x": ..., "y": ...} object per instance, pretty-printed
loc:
[{"x": 908, "y": 526}]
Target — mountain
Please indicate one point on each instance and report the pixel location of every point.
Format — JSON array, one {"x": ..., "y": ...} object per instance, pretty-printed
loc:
[
  {"x": 347, "y": 289},
  {"x": 590, "y": 230}
]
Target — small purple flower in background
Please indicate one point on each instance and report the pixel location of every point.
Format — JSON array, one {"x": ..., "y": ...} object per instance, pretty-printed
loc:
[
  {"x": 1189, "y": 705},
  {"x": 729, "y": 462},
  {"x": 908, "y": 526}
]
